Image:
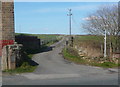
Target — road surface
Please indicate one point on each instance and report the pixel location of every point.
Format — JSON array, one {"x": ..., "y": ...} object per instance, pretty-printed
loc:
[{"x": 53, "y": 69}]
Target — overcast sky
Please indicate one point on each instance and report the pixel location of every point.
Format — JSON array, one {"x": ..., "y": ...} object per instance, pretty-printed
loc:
[{"x": 51, "y": 17}]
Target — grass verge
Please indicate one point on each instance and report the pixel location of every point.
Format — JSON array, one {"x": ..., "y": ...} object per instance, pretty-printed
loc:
[
  {"x": 26, "y": 66},
  {"x": 70, "y": 55}
]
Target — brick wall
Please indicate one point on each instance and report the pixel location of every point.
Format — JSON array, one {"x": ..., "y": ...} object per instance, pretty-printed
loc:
[{"x": 6, "y": 24}]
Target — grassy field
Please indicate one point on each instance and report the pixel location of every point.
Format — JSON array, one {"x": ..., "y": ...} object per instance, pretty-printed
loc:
[
  {"x": 95, "y": 39},
  {"x": 89, "y": 38}
]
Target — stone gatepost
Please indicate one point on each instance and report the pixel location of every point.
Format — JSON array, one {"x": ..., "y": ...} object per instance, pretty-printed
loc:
[
  {"x": 11, "y": 55},
  {"x": 7, "y": 34},
  {"x": 9, "y": 51}
]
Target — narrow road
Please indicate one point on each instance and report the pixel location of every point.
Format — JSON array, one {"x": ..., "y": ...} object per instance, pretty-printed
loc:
[{"x": 53, "y": 69}]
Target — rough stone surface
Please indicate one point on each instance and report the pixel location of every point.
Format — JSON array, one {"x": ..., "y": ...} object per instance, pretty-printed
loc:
[
  {"x": 0, "y": 27},
  {"x": 7, "y": 21},
  {"x": 8, "y": 49},
  {"x": 6, "y": 24},
  {"x": 11, "y": 56}
]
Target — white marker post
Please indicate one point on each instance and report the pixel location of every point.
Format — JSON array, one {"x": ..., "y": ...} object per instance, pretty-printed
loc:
[{"x": 105, "y": 45}]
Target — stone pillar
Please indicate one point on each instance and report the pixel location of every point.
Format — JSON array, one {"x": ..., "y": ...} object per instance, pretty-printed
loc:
[
  {"x": 6, "y": 23},
  {"x": 7, "y": 35},
  {"x": 11, "y": 56},
  {"x": 0, "y": 28},
  {"x": 4, "y": 63}
]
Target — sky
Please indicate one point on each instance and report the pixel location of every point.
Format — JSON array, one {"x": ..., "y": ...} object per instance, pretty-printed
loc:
[{"x": 51, "y": 17}]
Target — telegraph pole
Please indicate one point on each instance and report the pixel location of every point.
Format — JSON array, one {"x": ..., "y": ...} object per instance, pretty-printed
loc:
[
  {"x": 70, "y": 14},
  {"x": 105, "y": 41},
  {"x": 70, "y": 24}
]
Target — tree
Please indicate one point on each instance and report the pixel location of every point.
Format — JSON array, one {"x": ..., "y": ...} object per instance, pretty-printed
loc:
[{"x": 105, "y": 18}]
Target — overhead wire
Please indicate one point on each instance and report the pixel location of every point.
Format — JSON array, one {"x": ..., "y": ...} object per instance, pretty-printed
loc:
[{"x": 76, "y": 23}]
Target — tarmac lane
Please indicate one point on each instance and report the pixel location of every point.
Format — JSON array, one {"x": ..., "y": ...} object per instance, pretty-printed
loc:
[{"x": 53, "y": 69}]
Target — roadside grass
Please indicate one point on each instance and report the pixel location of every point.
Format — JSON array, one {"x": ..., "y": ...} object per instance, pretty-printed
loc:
[
  {"x": 77, "y": 59},
  {"x": 72, "y": 57},
  {"x": 24, "y": 68},
  {"x": 105, "y": 64},
  {"x": 30, "y": 55},
  {"x": 52, "y": 42}
]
